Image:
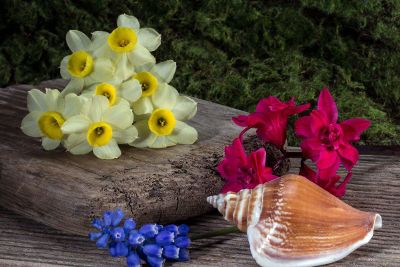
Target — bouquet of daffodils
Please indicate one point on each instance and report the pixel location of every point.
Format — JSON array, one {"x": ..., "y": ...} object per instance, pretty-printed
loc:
[{"x": 116, "y": 94}]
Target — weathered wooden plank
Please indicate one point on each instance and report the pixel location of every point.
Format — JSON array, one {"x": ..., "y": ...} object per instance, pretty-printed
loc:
[
  {"x": 375, "y": 187},
  {"x": 63, "y": 190}
]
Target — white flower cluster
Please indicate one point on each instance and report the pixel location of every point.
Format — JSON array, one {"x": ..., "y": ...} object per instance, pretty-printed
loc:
[{"x": 117, "y": 94}]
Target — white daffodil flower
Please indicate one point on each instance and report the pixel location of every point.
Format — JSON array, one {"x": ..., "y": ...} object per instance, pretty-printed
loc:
[
  {"x": 153, "y": 78},
  {"x": 164, "y": 127},
  {"x": 100, "y": 128},
  {"x": 115, "y": 91},
  {"x": 47, "y": 113},
  {"x": 82, "y": 68},
  {"x": 128, "y": 44}
]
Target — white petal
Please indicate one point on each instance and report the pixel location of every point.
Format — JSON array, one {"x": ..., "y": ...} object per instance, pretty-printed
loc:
[
  {"x": 76, "y": 124},
  {"x": 90, "y": 90},
  {"x": 52, "y": 99},
  {"x": 119, "y": 115},
  {"x": 36, "y": 100},
  {"x": 50, "y": 144},
  {"x": 149, "y": 38},
  {"x": 185, "y": 108},
  {"x": 73, "y": 105},
  {"x": 60, "y": 104},
  {"x": 77, "y": 144},
  {"x": 140, "y": 55},
  {"x": 29, "y": 124},
  {"x": 145, "y": 137},
  {"x": 123, "y": 68},
  {"x": 162, "y": 142},
  {"x": 99, "y": 105},
  {"x": 100, "y": 47},
  {"x": 123, "y": 102},
  {"x": 165, "y": 96},
  {"x": 103, "y": 70},
  {"x": 144, "y": 67},
  {"x": 63, "y": 68},
  {"x": 77, "y": 40},
  {"x": 109, "y": 151},
  {"x": 142, "y": 106},
  {"x": 131, "y": 90},
  {"x": 183, "y": 134},
  {"x": 99, "y": 39},
  {"x": 128, "y": 21},
  {"x": 74, "y": 86},
  {"x": 126, "y": 136},
  {"x": 165, "y": 70}
]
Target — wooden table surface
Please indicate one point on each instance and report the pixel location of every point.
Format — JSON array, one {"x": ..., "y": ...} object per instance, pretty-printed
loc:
[{"x": 375, "y": 187}]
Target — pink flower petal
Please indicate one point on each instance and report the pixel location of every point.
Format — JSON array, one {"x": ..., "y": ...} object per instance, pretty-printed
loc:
[
  {"x": 311, "y": 148},
  {"x": 331, "y": 182},
  {"x": 270, "y": 104},
  {"x": 353, "y": 128},
  {"x": 242, "y": 171},
  {"x": 258, "y": 158},
  {"x": 328, "y": 163},
  {"x": 240, "y": 120},
  {"x": 318, "y": 122},
  {"x": 302, "y": 127},
  {"x": 327, "y": 104},
  {"x": 349, "y": 155},
  {"x": 309, "y": 173},
  {"x": 274, "y": 129},
  {"x": 235, "y": 159},
  {"x": 300, "y": 108},
  {"x": 340, "y": 190},
  {"x": 257, "y": 161}
]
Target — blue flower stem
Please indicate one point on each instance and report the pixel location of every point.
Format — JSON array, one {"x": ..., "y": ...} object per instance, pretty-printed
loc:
[{"x": 224, "y": 231}]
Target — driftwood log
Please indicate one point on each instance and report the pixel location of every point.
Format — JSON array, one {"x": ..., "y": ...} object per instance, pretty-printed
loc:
[{"x": 65, "y": 191}]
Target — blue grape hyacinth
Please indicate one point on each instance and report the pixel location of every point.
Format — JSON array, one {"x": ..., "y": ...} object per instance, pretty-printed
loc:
[{"x": 151, "y": 243}]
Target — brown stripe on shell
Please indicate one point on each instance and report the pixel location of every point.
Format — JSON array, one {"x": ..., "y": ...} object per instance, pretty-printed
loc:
[{"x": 230, "y": 203}]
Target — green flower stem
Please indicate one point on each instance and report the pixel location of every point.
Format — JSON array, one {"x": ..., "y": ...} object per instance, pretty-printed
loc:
[{"x": 219, "y": 232}]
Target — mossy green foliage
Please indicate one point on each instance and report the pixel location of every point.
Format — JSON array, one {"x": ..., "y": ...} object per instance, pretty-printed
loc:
[{"x": 235, "y": 52}]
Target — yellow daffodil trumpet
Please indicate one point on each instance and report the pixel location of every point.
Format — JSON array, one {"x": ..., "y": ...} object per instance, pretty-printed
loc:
[
  {"x": 162, "y": 122},
  {"x": 148, "y": 82},
  {"x": 107, "y": 90},
  {"x": 122, "y": 40},
  {"x": 50, "y": 124},
  {"x": 80, "y": 64},
  {"x": 99, "y": 134}
]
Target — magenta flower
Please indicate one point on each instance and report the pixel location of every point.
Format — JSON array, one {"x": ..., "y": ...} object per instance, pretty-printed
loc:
[
  {"x": 327, "y": 142},
  {"x": 329, "y": 184},
  {"x": 241, "y": 171},
  {"x": 270, "y": 119}
]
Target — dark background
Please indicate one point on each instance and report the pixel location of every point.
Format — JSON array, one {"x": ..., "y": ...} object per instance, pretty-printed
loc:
[{"x": 235, "y": 52}]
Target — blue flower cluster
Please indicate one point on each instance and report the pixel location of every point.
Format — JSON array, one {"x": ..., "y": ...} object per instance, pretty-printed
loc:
[{"x": 151, "y": 243}]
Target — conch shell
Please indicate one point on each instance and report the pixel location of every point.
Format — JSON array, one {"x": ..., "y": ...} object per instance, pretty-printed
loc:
[{"x": 292, "y": 222}]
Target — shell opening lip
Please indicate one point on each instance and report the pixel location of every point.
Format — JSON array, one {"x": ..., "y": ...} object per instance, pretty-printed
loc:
[{"x": 378, "y": 222}]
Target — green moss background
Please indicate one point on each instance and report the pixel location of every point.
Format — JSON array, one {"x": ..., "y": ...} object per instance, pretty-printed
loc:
[{"x": 235, "y": 52}]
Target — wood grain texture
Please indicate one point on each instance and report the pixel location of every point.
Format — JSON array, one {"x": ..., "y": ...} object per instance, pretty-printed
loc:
[
  {"x": 375, "y": 187},
  {"x": 64, "y": 191}
]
